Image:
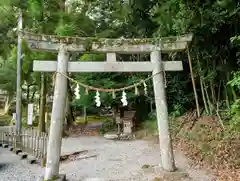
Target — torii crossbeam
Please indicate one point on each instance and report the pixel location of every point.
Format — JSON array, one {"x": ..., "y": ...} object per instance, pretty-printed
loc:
[
  {"x": 64, "y": 45},
  {"x": 51, "y": 66},
  {"x": 52, "y": 43}
]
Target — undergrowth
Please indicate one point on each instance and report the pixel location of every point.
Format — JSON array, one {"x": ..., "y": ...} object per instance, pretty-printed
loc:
[
  {"x": 108, "y": 125},
  {"x": 207, "y": 142},
  {"x": 90, "y": 119},
  {"x": 5, "y": 120},
  {"x": 233, "y": 118}
]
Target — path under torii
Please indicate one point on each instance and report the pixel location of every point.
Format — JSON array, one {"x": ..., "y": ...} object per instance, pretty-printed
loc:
[{"x": 65, "y": 45}]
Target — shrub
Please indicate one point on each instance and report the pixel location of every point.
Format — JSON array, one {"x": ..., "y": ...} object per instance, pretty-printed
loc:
[{"x": 108, "y": 125}]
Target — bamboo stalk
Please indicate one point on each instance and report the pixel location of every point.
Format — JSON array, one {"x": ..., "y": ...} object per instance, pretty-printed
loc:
[
  {"x": 193, "y": 83},
  {"x": 42, "y": 108},
  {"x": 208, "y": 99},
  {"x": 202, "y": 89},
  {"x": 38, "y": 145},
  {"x": 217, "y": 110},
  {"x": 213, "y": 94},
  {"x": 227, "y": 98}
]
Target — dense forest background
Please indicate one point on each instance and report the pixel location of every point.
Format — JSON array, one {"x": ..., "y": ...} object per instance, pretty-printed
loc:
[{"x": 214, "y": 50}]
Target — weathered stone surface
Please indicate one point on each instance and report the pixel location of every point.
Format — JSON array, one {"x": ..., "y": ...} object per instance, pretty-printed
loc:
[
  {"x": 40, "y": 178},
  {"x": 122, "y": 136},
  {"x": 61, "y": 177},
  {"x": 121, "y": 45},
  {"x": 51, "y": 66},
  {"x": 11, "y": 148},
  {"x": 5, "y": 145},
  {"x": 111, "y": 136},
  {"x": 43, "y": 162},
  {"x": 177, "y": 174},
  {"x": 17, "y": 150},
  {"x": 23, "y": 155},
  {"x": 93, "y": 179},
  {"x": 31, "y": 159}
]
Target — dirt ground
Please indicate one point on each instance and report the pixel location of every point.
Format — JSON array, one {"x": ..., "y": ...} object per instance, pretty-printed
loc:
[
  {"x": 123, "y": 160},
  {"x": 209, "y": 146}
]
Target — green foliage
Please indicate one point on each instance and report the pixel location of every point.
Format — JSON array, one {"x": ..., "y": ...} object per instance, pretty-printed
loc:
[
  {"x": 92, "y": 57},
  {"x": 65, "y": 29},
  {"x": 91, "y": 119},
  {"x": 108, "y": 125},
  {"x": 215, "y": 44},
  {"x": 8, "y": 70},
  {"x": 8, "y": 78},
  {"x": 150, "y": 125},
  {"x": 5, "y": 120},
  {"x": 177, "y": 111},
  {"x": 235, "y": 82},
  {"x": 234, "y": 123}
]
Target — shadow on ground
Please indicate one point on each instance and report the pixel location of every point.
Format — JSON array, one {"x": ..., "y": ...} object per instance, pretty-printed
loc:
[{"x": 3, "y": 166}]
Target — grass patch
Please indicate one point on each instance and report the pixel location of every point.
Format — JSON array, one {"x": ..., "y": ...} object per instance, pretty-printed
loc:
[
  {"x": 91, "y": 119},
  {"x": 108, "y": 125},
  {"x": 150, "y": 126}
]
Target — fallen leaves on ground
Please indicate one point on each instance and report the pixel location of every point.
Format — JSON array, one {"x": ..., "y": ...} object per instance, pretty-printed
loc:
[
  {"x": 82, "y": 130},
  {"x": 172, "y": 176},
  {"x": 205, "y": 144}
]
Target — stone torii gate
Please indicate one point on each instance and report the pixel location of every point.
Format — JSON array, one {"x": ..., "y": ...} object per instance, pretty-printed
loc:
[{"x": 64, "y": 45}]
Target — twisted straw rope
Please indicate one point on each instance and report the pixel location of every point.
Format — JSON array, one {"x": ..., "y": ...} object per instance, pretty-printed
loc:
[{"x": 88, "y": 87}]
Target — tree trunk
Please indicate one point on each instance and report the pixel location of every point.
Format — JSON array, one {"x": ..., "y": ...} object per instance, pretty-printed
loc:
[
  {"x": 226, "y": 96},
  {"x": 234, "y": 94},
  {"x": 212, "y": 87},
  {"x": 46, "y": 121},
  {"x": 69, "y": 110},
  {"x": 85, "y": 114},
  {"x": 66, "y": 123},
  {"x": 213, "y": 94},
  {"x": 41, "y": 123},
  {"x": 193, "y": 83},
  {"x": 8, "y": 103},
  {"x": 202, "y": 88},
  {"x": 33, "y": 95},
  {"x": 203, "y": 96},
  {"x": 208, "y": 99},
  {"x": 69, "y": 114},
  {"x": 28, "y": 92},
  {"x": 151, "y": 106},
  {"x": 214, "y": 102}
]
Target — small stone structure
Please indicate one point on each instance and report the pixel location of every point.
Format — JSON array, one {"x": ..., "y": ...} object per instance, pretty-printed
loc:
[{"x": 126, "y": 122}]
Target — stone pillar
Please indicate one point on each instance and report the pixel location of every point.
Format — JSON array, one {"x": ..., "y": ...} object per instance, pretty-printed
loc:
[
  {"x": 57, "y": 117},
  {"x": 167, "y": 157}
]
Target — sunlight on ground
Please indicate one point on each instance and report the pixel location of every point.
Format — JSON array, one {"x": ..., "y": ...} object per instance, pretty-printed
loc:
[
  {"x": 79, "y": 120},
  {"x": 1, "y": 111},
  {"x": 4, "y": 119}
]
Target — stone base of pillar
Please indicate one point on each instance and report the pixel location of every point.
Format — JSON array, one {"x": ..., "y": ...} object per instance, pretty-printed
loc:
[{"x": 61, "y": 177}]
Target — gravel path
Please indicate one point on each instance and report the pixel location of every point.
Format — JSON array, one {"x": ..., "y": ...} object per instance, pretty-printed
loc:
[
  {"x": 105, "y": 160},
  {"x": 14, "y": 169}
]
